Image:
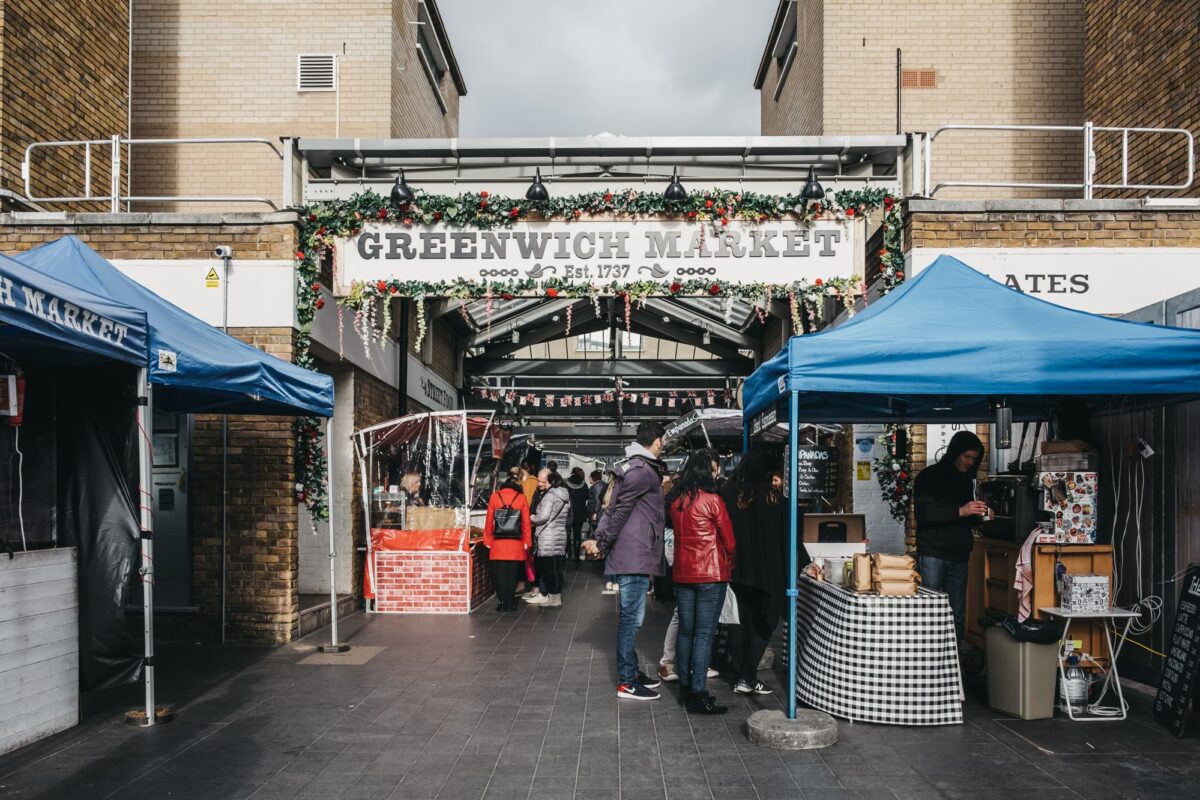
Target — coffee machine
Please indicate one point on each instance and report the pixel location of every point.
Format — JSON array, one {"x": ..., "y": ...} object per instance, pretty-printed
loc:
[{"x": 1015, "y": 507}]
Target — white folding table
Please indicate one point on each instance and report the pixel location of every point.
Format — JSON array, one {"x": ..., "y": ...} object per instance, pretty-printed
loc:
[{"x": 1107, "y": 619}]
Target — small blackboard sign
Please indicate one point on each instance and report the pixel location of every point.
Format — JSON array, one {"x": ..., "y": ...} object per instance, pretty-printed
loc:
[
  {"x": 816, "y": 472},
  {"x": 1183, "y": 658}
]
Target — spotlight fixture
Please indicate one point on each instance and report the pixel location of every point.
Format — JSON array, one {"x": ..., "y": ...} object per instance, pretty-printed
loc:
[
  {"x": 666, "y": 319},
  {"x": 1003, "y": 426},
  {"x": 537, "y": 190},
  {"x": 812, "y": 189},
  {"x": 942, "y": 404},
  {"x": 401, "y": 192},
  {"x": 675, "y": 191},
  {"x": 516, "y": 336},
  {"x": 554, "y": 318}
]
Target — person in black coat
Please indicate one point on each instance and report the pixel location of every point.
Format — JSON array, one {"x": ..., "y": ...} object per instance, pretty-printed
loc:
[
  {"x": 759, "y": 513},
  {"x": 946, "y": 511},
  {"x": 577, "y": 490}
]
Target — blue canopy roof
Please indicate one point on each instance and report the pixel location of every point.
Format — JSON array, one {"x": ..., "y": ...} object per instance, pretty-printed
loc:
[
  {"x": 943, "y": 344},
  {"x": 44, "y": 315},
  {"x": 194, "y": 366}
]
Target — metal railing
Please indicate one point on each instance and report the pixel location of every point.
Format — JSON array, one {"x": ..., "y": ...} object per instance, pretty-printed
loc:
[
  {"x": 116, "y": 144},
  {"x": 1087, "y": 184}
]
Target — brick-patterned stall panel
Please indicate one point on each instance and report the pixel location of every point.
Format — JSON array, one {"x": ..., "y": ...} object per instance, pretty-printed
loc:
[
  {"x": 482, "y": 587},
  {"x": 426, "y": 582}
]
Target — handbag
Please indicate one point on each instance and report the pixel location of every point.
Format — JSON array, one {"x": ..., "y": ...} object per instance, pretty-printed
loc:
[
  {"x": 506, "y": 522},
  {"x": 729, "y": 609}
]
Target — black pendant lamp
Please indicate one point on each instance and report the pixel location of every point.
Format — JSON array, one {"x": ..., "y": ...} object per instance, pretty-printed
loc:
[
  {"x": 812, "y": 190},
  {"x": 537, "y": 190},
  {"x": 402, "y": 194},
  {"x": 675, "y": 191}
]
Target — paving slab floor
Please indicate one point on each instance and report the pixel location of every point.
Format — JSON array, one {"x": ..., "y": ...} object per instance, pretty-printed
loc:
[{"x": 523, "y": 705}]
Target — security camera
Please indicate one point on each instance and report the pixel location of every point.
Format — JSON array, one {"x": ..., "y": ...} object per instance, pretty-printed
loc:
[{"x": 223, "y": 251}]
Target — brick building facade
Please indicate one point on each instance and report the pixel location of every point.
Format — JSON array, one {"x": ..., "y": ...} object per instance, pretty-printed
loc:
[
  {"x": 224, "y": 68},
  {"x": 64, "y": 75},
  {"x": 1012, "y": 62},
  {"x": 1142, "y": 67}
]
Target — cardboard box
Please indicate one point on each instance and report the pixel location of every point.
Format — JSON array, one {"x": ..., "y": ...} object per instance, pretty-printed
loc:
[
  {"x": 1086, "y": 593},
  {"x": 835, "y": 528}
]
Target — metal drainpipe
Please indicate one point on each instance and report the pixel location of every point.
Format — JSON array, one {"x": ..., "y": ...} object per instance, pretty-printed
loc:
[
  {"x": 224, "y": 453},
  {"x": 402, "y": 341}
]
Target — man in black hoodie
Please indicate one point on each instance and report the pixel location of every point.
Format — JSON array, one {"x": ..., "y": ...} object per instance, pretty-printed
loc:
[{"x": 946, "y": 511}]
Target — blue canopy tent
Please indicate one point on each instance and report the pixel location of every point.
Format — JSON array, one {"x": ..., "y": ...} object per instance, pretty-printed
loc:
[
  {"x": 194, "y": 368},
  {"x": 951, "y": 344}
]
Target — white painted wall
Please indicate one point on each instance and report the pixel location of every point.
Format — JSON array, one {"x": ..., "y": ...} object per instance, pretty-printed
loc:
[
  {"x": 314, "y": 546},
  {"x": 262, "y": 294},
  {"x": 884, "y": 533},
  {"x": 39, "y": 646}
]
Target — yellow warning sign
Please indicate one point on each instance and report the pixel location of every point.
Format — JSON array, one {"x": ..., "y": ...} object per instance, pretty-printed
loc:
[
  {"x": 862, "y": 470},
  {"x": 212, "y": 280}
]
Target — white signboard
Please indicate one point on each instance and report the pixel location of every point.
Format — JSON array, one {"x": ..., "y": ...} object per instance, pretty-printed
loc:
[
  {"x": 937, "y": 439},
  {"x": 603, "y": 252},
  {"x": 428, "y": 388},
  {"x": 1101, "y": 280}
]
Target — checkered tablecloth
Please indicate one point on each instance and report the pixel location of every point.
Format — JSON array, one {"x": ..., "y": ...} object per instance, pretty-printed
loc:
[{"x": 865, "y": 658}]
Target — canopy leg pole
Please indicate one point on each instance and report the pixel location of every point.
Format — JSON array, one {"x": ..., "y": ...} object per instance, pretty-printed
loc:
[
  {"x": 334, "y": 645},
  {"x": 148, "y": 715},
  {"x": 793, "y": 518}
]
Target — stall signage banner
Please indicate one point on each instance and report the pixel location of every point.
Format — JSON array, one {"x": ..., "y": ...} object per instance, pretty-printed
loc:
[
  {"x": 1099, "y": 280},
  {"x": 1182, "y": 668},
  {"x": 765, "y": 419},
  {"x": 602, "y": 252},
  {"x": 46, "y": 311},
  {"x": 428, "y": 388},
  {"x": 816, "y": 471}
]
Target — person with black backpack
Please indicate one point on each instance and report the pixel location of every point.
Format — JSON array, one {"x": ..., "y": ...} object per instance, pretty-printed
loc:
[{"x": 508, "y": 535}]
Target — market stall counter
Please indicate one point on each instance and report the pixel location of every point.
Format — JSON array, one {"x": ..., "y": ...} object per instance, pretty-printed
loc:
[
  {"x": 423, "y": 555},
  {"x": 872, "y": 658}
]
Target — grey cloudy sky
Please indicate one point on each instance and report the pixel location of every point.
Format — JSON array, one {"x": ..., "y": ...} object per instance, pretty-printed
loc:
[{"x": 631, "y": 67}]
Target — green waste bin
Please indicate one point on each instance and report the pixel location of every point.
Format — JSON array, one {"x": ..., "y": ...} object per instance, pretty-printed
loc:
[{"x": 1021, "y": 675}]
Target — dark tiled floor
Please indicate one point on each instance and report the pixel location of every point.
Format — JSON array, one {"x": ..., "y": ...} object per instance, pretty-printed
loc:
[{"x": 523, "y": 706}]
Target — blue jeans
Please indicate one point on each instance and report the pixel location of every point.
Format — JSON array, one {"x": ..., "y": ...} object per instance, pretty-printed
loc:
[
  {"x": 699, "y": 605},
  {"x": 949, "y": 577},
  {"x": 629, "y": 622}
]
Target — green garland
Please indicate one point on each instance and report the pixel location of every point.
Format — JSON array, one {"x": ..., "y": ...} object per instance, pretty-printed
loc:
[
  {"x": 325, "y": 222},
  {"x": 894, "y": 473}
]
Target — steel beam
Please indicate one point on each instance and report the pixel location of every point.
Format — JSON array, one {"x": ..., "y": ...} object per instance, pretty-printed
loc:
[
  {"x": 601, "y": 368},
  {"x": 504, "y": 327},
  {"x": 653, "y": 323},
  {"x": 585, "y": 322},
  {"x": 700, "y": 320}
]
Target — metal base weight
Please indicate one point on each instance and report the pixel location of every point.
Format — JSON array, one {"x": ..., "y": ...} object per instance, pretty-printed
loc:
[
  {"x": 808, "y": 731},
  {"x": 137, "y": 717},
  {"x": 333, "y": 648}
]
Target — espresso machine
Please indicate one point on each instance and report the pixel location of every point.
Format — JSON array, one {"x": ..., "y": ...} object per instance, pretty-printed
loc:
[{"x": 1015, "y": 505}]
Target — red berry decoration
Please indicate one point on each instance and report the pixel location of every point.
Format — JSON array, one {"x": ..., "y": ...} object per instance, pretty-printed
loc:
[
  {"x": 608, "y": 197},
  {"x": 578, "y": 213},
  {"x": 316, "y": 287},
  {"x": 483, "y": 203},
  {"x": 312, "y": 217},
  {"x": 506, "y": 296},
  {"x": 708, "y": 203},
  {"x": 899, "y": 275},
  {"x": 714, "y": 289},
  {"x": 888, "y": 202},
  {"x": 299, "y": 255},
  {"x": 816, "y": 208},
  {"x": 483, "y": 195},
  {"x": 395, "y": 290},
  {"x": 552, "y": 292},
  {"x": 408, "y": 220},
  {"x": 818, "y": 282},
  {"x": 320, "y": 302},
  {"x": 437, "y": 215},
  {"x": 515, "y": 212},
  {"x": 676, "y": 287},
  {"x": 691, "y": 215},
  {"x": 383, "y": 213},
  {"x": 850, "y": 211},
  {"x": 381, "y": 286},
  {"x": 724, "y": 221},
  {"x": 883, "y": 252}
]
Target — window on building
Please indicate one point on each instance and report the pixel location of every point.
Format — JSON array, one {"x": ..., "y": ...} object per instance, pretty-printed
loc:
[
  {"x": 430, "y": 52},
  {"x": 316, "y": 72},
  {"x": 600, "y": 341},
  {"x": 783, "y": 45}
]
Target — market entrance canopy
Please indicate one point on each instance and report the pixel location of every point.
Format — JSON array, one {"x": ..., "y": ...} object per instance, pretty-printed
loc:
[
  {"x": 193, "y": 366},
  {"x": 55, "y": 318},
  {"x": 945, "y": 345}
]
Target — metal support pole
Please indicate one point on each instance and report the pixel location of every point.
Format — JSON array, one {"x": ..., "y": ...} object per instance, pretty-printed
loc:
[
  {"x": 114, "y": 198},
  {"x": 146, "y": 715},
  {"x": 1088, "y": 164},
  {"x": 793, "y": 520},
  {"x": 334, "y": 645},
  {"x": 225, "y": 259}
]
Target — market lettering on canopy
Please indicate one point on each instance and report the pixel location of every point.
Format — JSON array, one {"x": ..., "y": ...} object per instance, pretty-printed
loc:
[
  {"x": 59, "y": 312},
  {"x": 604, "y": 251}
]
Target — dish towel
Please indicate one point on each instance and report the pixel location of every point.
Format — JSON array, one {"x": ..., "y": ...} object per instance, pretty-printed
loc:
[{"x": 1023, "y": 582}]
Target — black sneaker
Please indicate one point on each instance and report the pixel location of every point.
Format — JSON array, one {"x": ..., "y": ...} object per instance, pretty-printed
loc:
[
  {"x": 744, "y": 686},
  {"x": 635, "y": 691},
  {"x": 705, "y": 704},
  {"x": 647, "y": 681}
]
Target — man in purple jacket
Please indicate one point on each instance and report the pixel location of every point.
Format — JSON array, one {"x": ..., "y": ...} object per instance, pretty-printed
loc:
[{"x": 630, "y": 535}]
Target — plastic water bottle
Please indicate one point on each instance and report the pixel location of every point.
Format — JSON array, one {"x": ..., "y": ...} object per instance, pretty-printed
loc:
[{"x": 1074, "y": 689}]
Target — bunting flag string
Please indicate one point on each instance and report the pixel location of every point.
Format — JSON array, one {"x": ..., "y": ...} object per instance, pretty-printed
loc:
[{"x": 656, "y": 399}]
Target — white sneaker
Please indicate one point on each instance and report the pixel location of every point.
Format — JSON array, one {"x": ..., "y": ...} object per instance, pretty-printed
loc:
[
  {"x": 531, "y": 594},
  {"x": 552, "y": 601},
  {"x": 538, "y": 600},
  {"x": 712, "y": 673},
  {"x": 610, "y": 588}
]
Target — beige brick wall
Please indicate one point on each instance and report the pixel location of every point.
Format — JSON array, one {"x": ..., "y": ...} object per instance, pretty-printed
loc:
[
  {"x": 999, "y": 62},
  {"x": 226, "y": 68},
  {"x": 1054, "y": 229},
  {"x": 1143, "y": 79},
  {"x": 64, "y": 69}
]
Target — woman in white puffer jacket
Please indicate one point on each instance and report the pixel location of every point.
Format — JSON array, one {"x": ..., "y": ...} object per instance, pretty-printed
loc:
[{"x": 551, "y": 521}]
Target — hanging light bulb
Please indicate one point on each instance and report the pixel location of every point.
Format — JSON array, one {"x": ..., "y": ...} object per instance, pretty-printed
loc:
[
  {"x": 706, "y": 337},
  {"x": 675, "y": 191},
  {"x": 1003, "y": 426},
  {"x": 812, "y": 189},
  {"x": 516, "y": 336},
  {"x": 401, "y": 193},
  {"x": 537, "y": 190}
]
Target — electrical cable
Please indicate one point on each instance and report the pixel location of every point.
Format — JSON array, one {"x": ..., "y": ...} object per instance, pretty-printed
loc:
[{"x": 20, "y": 484}]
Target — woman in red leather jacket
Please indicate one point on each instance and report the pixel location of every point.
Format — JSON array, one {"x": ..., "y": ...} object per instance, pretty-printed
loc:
[{"x": 704, "y": 547}]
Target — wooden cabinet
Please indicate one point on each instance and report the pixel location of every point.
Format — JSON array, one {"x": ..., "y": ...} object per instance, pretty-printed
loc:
[{"x": 990, "y": 574}]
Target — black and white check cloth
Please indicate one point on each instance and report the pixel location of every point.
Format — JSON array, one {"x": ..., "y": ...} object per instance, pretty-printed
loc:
[{"x": 866, "y": 658}]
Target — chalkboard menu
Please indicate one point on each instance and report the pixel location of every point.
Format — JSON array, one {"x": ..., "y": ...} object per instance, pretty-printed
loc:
[
  {"x": 816, "y": 471},
  {"x": 1183, "y": 658}
]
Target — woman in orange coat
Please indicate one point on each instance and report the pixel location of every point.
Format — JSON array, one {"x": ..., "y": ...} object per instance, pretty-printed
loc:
[{"x": 508, "y": 536}]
